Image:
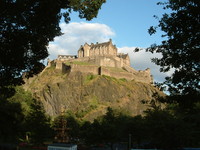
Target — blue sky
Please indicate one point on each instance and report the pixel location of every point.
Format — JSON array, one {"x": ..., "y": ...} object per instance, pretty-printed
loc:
[
  {"x": 130, "y": 20},
  {"x": 126, "y": 22}
]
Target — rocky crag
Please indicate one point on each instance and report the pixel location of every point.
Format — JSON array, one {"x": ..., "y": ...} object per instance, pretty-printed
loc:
[
  {"x": 87, "y": 84},
  {"x": 88, "y": 96}
]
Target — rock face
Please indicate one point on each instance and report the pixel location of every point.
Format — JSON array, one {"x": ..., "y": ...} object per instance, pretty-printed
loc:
[{"x": 88, "y": 95}]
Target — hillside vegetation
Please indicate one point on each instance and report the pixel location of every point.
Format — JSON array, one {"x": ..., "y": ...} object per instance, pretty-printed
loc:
[{"x": 88, "y": 96}]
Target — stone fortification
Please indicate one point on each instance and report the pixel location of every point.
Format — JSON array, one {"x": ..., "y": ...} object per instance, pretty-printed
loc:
[{"x": 101, "y": 59}]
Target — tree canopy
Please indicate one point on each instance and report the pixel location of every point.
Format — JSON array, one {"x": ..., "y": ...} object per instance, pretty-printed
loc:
[
  {"x": 26, "y": 28},
  {"x": 181, "y": 49}
]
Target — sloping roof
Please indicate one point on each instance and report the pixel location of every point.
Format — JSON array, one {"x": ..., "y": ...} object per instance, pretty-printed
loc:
[
  {"x": 66, "y": 56},
  {"x": 100, "y": 45}
]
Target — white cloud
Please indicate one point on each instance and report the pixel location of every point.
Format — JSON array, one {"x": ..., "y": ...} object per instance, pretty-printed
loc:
[{"x": 76, "y": 34}]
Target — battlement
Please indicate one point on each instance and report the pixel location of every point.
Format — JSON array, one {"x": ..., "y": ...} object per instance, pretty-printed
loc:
[{"x": 98, "y": 59}]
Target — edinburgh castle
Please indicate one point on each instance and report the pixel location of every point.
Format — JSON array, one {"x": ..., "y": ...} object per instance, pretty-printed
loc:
[{"x": 101, "y": 59}]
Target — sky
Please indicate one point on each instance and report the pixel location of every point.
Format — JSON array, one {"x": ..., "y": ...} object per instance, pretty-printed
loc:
[{"x": 126, "y": 22}]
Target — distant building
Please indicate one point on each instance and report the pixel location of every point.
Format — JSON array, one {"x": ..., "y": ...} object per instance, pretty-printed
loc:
[{"x": 66, "y": 57}]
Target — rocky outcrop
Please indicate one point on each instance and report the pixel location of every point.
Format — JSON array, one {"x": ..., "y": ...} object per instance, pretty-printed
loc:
[{"x": 88, "y": 95}]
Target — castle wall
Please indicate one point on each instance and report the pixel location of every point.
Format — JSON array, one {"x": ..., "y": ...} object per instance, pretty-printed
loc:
[
  {"x": 86, "y": 49},
  {"x": 118, "y": 75},
  {"x": 80, "y": 53},
  {"x": 107, "y": 62},
  {"x": 129, "y": 69},
  {"x": 61, "y": 66},
  {"x": 51, "y": 63},
  {"x": 86, "y": 69},
  {"x": 112, "y": 50},
  {"x": 142, "y": 76},
  {"x": 138, "y": 76},
  {"x": 127, "y": 61}
]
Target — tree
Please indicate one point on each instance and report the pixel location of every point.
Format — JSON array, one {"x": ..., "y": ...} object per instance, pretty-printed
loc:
[
  {"x": 166, "y": 131},
  {"x": 181, "y": 49},
  {"x": 26, "y": 28},
  {"x": 38, "y": 123},
  {"x": 11, "y": 121}
]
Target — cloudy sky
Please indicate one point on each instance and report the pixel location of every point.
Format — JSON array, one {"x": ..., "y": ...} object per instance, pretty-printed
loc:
[{"x": 126, "y": 22}]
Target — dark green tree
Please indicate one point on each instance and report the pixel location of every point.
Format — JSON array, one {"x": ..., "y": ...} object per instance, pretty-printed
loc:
[
  {"x": 108, "y": 129},
  {"x": 72, "y": 128},
  {"x": 164, "y": 130},
  {"x": 37, "y": 124},
  {"x": 11, "y": 121},
  {"x": 26, "y": 28},
  {"x": 180, "y": 50},
  {"x": 137, "y": 128}
]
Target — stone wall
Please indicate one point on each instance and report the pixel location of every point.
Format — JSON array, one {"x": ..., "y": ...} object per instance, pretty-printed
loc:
[
  {"x": 139, "y": 76},
  {"x": 118, "y": 75},
  {"x": 107, "y": 61},
  {"x": 61, "y": 66},
  {"x": 129, "y": 74},
  {"x": 85, "y": 69},
  {"x": 51, "y": 63},
  {"x": 129, "y": 69}
]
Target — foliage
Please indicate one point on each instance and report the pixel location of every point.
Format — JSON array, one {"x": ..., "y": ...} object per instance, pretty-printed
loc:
[
  {"x": 72, "y": 126},
  {"x": 37, "y": 123},
  {"x": 180, "y": 51},
  {"x": 159, "y": 128},
  {"x": 166, "y": 131},
  {"x": 89, "y": 78},
  {"x": 26, "y": 28},
  {"x": 11, "y": 118},
  {"x": 21, "y": 115}
]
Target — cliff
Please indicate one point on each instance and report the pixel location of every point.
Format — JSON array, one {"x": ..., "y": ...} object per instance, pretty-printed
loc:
[{"x": 88, "y": 95}]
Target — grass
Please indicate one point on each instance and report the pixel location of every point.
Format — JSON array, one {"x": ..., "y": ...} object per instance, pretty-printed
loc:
[
  {"x": 93, "y": 104},
  {"x": 120, "y": 81},
  {"x": 89, "y": 78}
]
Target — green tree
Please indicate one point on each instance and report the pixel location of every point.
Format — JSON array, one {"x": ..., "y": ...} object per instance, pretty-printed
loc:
[
  {"x": 108, "y": 129},
  {"x": 37, "y": 123},
  {"x": 72, "y": 126},
  {"x": 137, "y": 128},
  {"x": 21, "y": 114},
  {"x": 26, "y": 28},
  {"x": 166, "y": 131},
  {"x": 11, "y": 121},
  {"x": 181, "y": 49}
]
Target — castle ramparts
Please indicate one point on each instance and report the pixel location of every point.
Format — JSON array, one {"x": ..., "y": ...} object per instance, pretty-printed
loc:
[{"x": 101, "y": 59}]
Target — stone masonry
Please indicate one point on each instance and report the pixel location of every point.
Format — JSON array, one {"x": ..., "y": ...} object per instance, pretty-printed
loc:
[{"x": 101, "y": 59}]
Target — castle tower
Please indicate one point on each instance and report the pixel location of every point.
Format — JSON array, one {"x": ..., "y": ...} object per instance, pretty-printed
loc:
[
  {"x": 98, "y": 49},
  {"x": 84, "y": 51}
]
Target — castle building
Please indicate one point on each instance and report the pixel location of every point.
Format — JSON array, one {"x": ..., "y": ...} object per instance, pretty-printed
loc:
[
  {"x": 66, "y": 57},
  {"x": 104, "y": 53},
  {"x": 100, "y": 57},
  {"x": 98, "y": 49}
]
